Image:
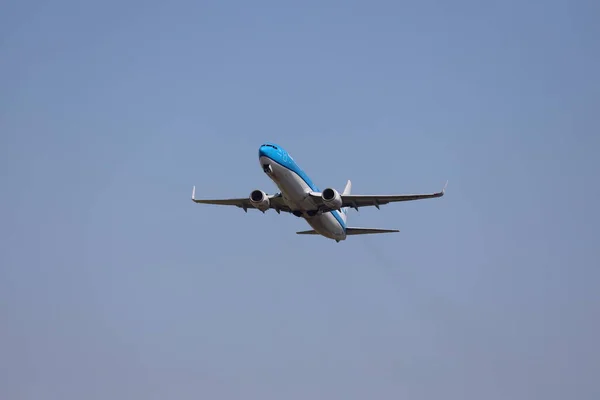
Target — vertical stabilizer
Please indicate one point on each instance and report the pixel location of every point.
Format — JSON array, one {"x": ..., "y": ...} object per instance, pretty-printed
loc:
[{"x": 347, "y": 190}]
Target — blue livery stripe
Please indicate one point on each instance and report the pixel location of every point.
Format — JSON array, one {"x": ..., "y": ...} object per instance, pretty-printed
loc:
[{"x": 338, "y": 217}]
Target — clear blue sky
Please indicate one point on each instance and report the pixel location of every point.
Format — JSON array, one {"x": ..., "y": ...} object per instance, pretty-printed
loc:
[{"x": 114, "y": 285}]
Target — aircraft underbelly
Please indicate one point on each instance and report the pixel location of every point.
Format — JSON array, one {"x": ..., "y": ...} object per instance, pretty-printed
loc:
[
  {"x": 326, "y": 225},
  {"x": 295, "y": 193},
  {"x": 293, "y": 188}
]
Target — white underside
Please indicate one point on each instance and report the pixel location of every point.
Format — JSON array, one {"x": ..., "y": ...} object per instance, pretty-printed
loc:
[{"x": 295, "y": 194}]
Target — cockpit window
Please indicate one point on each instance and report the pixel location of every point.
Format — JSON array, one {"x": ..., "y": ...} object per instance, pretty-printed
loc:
[{"x": 270, "y": 145}]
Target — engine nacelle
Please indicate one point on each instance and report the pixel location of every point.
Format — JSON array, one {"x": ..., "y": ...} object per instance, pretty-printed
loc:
[
  {"x": 332, "y": 198},
  {"x": 260, "y": 200}
]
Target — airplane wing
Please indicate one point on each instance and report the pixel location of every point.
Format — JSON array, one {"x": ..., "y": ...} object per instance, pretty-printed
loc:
[
  {"x": 356, "y": 201},
  {"x": 275, "y": 200}
]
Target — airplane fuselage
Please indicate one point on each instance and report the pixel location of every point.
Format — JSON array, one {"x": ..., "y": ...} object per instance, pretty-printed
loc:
[{"x": 295, "y": 187}]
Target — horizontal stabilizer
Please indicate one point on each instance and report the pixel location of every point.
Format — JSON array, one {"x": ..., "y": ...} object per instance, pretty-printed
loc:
[
  {"x": 312, "y": 232},
  {"x": 366, "y": 231},
  {"x": 354, "y": 231}
]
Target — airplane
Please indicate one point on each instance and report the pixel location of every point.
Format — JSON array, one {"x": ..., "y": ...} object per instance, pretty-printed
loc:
[{"x": 325, "y": 211}]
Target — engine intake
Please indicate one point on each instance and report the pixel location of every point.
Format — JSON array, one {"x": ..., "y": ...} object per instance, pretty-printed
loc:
[
  {"x": 332, "y": 198},
  {"x": 260, "y": 200}
]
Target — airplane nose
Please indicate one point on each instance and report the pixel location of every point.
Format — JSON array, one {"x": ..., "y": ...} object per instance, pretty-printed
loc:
[
  {"x": 267, "y": 153},
  {"x": 262, "y": 151}
]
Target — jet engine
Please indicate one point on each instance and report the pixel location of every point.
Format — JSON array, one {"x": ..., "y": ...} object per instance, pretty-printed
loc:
[
  {"x": 260, "y": 200},
  {"x": 332, "y": 198}
]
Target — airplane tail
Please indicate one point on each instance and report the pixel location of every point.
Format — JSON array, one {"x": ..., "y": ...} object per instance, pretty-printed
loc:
[
  {"x": 347, "y": 190},
  {"x": 350, "y": 230}
]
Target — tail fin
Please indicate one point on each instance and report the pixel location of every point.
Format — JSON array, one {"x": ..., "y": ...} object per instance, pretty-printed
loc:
[{"x": 347, "y": 190}]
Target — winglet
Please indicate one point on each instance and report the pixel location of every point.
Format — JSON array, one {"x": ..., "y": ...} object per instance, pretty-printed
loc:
[
  {"x": 444, "y": 188},
  {"x": 194, "y": 193}
]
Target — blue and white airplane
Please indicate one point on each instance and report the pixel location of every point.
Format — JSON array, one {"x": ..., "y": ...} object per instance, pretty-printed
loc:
[{"x": 326, "y": 211}]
